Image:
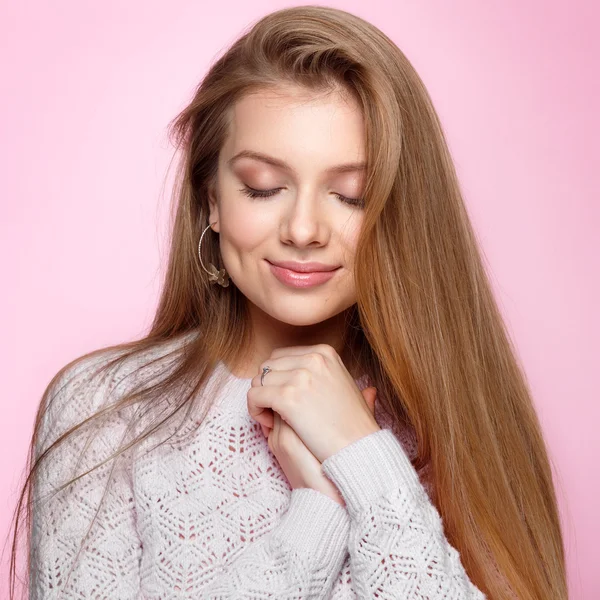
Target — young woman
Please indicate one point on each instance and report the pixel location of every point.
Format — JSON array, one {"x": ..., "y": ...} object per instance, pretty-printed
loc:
[{"x": 327, "y": 404}]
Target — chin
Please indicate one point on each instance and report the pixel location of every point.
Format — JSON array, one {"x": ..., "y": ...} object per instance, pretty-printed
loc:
[
  {"x": 299, "y": 319},
  {"x": 304, "y": 313},
  {"x": 308, "y": 322}
]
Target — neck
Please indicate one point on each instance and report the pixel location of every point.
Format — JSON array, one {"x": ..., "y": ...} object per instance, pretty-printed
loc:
[{"x": 269, "y": 334}]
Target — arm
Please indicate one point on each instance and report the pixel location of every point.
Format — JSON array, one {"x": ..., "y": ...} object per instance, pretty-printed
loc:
[
  {"x": 397, "y": 545},
  {"x": 300, "y": 558},
  {"x": 73, "y": 554}
]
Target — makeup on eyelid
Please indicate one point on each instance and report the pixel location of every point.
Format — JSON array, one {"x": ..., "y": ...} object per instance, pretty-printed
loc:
[
  {"x": 257, "y": 194},
  {"x": 265, "y": 191},
  {"x": 264, "y": 187}
]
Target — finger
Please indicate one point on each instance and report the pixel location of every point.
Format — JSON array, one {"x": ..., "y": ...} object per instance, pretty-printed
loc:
[
  {"x": 325, "y": 350},
  {"x": 275, "y": 432},
  {"x": 259, "y": 402},
  {"x": 283, "y": 363},
  {"x": 280, "y": 369},
  {"x": 265, "y": 417},
  {"x": 278, "y": 375},
  {"x": 370, "y": 396}
]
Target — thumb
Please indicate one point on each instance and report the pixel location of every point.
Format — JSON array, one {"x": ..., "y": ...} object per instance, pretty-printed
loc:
[{"x": 370, "y": 395}]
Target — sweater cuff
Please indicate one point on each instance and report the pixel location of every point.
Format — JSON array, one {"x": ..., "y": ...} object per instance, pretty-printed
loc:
[
  {"x": 369, "y": 468},
  {"x": 315, "y": 525}
]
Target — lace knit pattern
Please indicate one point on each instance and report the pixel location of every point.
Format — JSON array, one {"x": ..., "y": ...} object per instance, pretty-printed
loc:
[{"x": 212, "y": 515}]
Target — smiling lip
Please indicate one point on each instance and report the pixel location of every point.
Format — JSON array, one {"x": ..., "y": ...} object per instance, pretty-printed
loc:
[
  {"x": 301, "y": 279},
  {"x": 303, "y": 267}
]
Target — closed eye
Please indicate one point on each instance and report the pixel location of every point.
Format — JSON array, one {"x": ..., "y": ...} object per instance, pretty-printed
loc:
[{"x": 253, "y": 193}]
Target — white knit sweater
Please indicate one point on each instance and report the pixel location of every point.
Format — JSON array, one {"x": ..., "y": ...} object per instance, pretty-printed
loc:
[{"x": 213, "y": 515}]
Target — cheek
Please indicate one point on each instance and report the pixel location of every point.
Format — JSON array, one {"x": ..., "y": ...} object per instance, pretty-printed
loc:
[
  {"x": 240, "y": 211},
  {"x": 349, "y": 238},
  {"x": 244, "y": 226}
]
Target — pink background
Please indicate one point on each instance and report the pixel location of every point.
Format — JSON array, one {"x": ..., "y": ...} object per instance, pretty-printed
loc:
[{"x": 88, "y": 89}]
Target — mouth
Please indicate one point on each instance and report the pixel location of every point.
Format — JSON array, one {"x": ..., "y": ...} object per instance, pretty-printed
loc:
[
  {"x": 303, "y": 279},
  {"x": 304, "y": 267}
]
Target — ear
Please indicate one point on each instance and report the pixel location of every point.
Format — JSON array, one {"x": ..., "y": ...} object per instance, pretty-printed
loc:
[{"x": 213, "y": 204}]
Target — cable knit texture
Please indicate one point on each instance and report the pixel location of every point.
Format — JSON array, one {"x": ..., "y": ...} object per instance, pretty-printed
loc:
[{"x": 213, "y": 515}]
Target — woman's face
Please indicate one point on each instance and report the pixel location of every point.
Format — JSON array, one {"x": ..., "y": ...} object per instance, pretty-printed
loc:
[{"x": 306, "y": 151}]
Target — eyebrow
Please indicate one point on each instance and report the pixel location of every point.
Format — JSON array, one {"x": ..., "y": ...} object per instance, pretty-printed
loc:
[{"x": 275, "y": 162}]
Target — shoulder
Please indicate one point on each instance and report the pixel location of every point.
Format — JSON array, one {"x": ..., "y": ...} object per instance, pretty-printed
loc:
[
  {"x": 80, "y": 390},
  {"x": 74, "y": 394}
]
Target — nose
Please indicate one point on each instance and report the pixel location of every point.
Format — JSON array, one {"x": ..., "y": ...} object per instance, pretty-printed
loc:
[{"x": 303, "y": 223}]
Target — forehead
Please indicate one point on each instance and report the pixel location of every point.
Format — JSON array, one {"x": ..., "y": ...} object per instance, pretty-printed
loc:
[{"x": 303, "y": 128}]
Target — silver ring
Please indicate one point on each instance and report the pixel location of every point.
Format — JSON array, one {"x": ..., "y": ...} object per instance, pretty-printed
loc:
[{"x": 264, "y": 372}]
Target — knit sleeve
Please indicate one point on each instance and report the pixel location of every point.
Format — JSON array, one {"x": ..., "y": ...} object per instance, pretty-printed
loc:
[
  {"x": 84, "y": 542},
  {"x": 300, "y": 558},
  {"x": 396, "y": 542}
]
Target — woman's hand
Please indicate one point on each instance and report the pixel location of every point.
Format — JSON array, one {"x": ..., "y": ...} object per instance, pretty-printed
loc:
[
  {"x": 300, "y": 466},
  {"x": 312, "y": 391}
]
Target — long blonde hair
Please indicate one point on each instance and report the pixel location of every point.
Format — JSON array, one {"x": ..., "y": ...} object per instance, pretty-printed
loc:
[{"x": 425, "y": 326}]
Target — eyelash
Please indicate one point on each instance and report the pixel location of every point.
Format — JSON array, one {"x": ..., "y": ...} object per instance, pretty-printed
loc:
[{"x": 252, "y": 193}]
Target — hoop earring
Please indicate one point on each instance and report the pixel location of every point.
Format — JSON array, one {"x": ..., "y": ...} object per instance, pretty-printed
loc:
[{"x": 221, "y": 277}]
